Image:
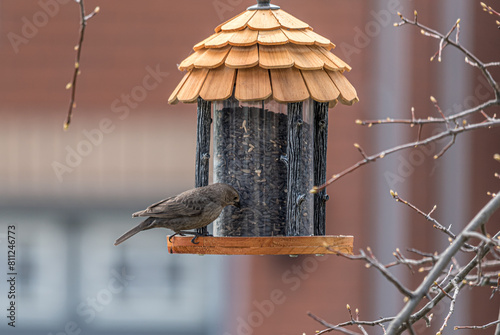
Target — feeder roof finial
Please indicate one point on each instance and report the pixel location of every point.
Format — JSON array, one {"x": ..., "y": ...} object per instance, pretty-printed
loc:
[{"x": 263, "y": 4}]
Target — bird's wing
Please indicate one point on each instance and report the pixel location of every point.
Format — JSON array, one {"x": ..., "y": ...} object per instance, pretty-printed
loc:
[
  {"x": 151, "y": 208},
  {"x": 174, "y": 207}
]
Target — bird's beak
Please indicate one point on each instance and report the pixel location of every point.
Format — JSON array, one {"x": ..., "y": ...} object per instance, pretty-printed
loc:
[{"x": 237, "y": 204}]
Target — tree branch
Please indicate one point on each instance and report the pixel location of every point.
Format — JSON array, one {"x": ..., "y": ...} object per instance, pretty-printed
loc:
[
  {"x": 395, "y": 327},
  {"x": 479, "y": 327},
  {"x": 369, "y": 159},
  {"x": 428, "y": 217},
  {"x": 440, "y": 282},
  {"x": 72, "y": 85},
  {"x": 431, "y": 120},
  {"x": 329, "y": 326},
  {"x": 372, "y": 261},
  {"x": 446, "y": 39}
]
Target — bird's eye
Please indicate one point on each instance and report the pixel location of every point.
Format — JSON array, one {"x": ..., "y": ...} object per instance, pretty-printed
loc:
[{"x": 235, "y": 198}]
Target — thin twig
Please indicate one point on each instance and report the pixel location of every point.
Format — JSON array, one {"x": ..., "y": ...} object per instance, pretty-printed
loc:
[
  {"x": 353, "y": 322},
  {"x": 382, "y": 154},
  {"x": 433, "y": 33},
  {"x": 428, "y": 217},
  {"x": 440, "y": 111},
  {"x": 479, "y": 327},
  {"x": 489, "y": 9},
  {"x": 452, "y": 306},
  {"x": 442, "y": 290},
  {"x": 72, "y": 85},
  {"x": 458, "y": 277},
  {"x": 410, "y": 328},
  {"x": 397, "y": 326},
  {"x": 449, "y": 145},
  {"x": 486, "y": 239},
  {"x": 329, "y": 326},
  {"x": 380, "y": 267},
  {"x": 430, "y": 120},
  {"x": 492, "y": 64}
]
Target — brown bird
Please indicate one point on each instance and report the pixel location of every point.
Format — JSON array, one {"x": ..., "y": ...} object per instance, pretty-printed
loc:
[{"x": 192, "y": 209}]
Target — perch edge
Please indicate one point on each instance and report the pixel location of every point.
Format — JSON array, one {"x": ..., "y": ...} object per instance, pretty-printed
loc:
[{"x": 293, "y": 245}]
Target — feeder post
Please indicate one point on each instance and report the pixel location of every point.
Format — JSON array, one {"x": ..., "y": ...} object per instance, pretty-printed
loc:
[
  {"x": 203, "y": 147},
  {"x": 320, "y": 148},
  {"x": 295, "y": 191}
]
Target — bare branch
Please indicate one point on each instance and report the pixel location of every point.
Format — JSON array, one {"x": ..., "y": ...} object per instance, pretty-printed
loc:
[
  {"x": 361, "y": 151},
  {"x": 452, "y": 306},
  {"x": 428, "y": 217},
  {"x": 357, "y": 319},
  {"x": 440, "y": 111},
  {"x": 442, "y": 290},
  {"x": 431, "y": 120},
  {"x": 442, "y": 280},
  {"x": 486, "y": 239},
  {"x": 397, "y": 325},
  {"x": 441, "y": 153},
  {"x": 329, "y": 326},
  {"x": 446, "y": 39},
  {"x": 460, "y": 276},
  {"x": 372, "y": 261},
  {"x": 489, "y": 9},
  {"x": 72, "y": 85},
  {"x": 354, "y": 322},
  {"x": 369, "y": 159},
  {"x": 492, "y": 64},
  {"x": 478, "y": 327}
]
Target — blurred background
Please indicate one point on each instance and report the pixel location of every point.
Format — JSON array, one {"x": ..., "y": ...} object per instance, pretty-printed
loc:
[{"x": 70, "y": 194}]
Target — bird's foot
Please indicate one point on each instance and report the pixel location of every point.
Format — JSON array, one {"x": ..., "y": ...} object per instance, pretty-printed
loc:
[
  {"x": 181, "y": 233},
  {"x": 194, "y": 239},
  {"x": 196, "y": 235}
]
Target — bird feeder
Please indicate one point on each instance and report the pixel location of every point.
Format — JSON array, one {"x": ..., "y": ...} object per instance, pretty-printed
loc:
[{"x": 267, "y": 80}]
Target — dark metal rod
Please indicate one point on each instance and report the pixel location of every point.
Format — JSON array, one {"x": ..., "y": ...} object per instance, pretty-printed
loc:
[
  {"x": 203, "y": 147},
  {"x": 295, "y": 192},
  {"x": 320, "y": 148}
]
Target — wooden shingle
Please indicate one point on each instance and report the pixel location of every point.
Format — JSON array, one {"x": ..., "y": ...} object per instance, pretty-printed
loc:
[{"x": 265, "y": 53}]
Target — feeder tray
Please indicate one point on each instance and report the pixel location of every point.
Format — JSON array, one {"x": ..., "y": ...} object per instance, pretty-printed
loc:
[
  {"x": 270, "y": 80},
  {"x": 286, "y": 245}
]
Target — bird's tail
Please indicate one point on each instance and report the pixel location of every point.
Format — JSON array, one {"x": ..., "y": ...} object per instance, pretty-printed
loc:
[{"x": 144, "y": 225}]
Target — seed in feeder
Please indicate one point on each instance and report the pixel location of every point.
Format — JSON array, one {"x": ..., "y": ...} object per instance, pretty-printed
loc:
[{"x": 254, "y": 165}]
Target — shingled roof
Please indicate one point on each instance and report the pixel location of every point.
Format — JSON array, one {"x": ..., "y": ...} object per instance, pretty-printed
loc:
[{"x": 261, "y": 54}]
